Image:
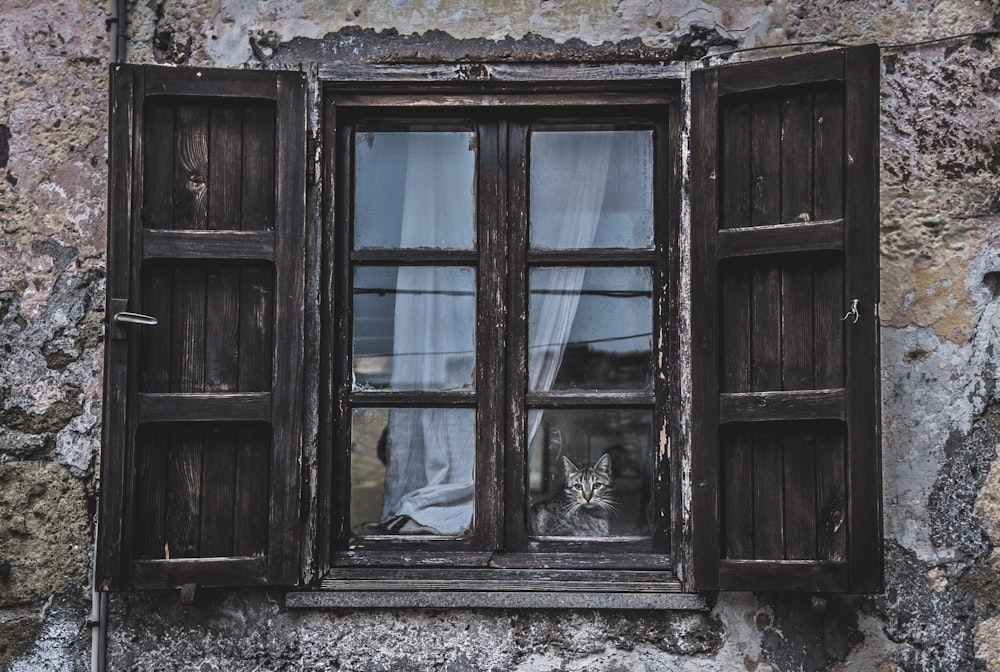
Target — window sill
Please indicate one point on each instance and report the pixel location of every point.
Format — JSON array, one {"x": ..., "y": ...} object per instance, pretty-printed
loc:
[
  {"x": 455, "y": 599},
  {"x": 516, "y": 589}
]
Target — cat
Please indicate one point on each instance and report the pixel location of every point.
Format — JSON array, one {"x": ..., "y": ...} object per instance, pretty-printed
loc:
[{"x": 581, "y": 507}]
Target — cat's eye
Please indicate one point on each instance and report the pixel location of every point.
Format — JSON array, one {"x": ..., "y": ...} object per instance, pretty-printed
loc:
[
  {"x": 597, "y": 486},
  {"x": 578, "y": 487}
]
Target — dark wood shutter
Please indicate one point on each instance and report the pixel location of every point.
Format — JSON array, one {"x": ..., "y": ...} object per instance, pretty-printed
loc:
[
  {"x": 786, "y": 481},
  {"x": 200, "y": 480}
]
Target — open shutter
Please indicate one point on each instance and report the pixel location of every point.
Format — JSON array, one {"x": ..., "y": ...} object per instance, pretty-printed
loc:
[
  {"x": 202, "y": 429},
  {"x": 786, "y": 481}
]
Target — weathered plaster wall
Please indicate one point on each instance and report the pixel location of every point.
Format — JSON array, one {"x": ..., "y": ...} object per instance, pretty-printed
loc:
[
  {"x": 940, "y": 355},
  {"x": 53, "y": 112}
]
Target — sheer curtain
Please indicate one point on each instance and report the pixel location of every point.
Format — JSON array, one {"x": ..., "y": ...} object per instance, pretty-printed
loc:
[
  {"x": 431, "y": 452},
  {"x": 572, "y": 202}
]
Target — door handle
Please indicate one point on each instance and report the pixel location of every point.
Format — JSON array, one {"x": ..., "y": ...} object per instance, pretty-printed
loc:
[{"x": 135, "y": 318}]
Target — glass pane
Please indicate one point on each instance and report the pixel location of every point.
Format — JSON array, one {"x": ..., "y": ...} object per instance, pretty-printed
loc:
[
  {"x": 590, "y": 473},
  {"x": 414, "y": 189},
  {"x": 414, "y": 328},
  {"x": 590, "y": 328},
  {"x": 591, "y": 189},
  {"x": 412, "y": 470}
]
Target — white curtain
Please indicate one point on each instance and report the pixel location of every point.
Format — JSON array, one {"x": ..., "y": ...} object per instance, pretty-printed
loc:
[{"x": 431, "y": 452}]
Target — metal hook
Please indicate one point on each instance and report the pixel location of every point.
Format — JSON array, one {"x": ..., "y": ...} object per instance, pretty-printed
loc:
[{"x": 853, "y": 311}]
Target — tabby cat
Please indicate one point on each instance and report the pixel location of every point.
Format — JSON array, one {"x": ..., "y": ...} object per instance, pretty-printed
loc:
[{"x": 582, "y": 505}]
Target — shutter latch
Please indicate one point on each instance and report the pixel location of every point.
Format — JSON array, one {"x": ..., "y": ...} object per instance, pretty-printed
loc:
[
  {"x": 125, "y": 317},
  {"x": 120, "y": 318},
  {"x": 853, "y": 312}
]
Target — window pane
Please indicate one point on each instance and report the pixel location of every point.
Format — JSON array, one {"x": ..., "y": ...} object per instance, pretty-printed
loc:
[
  {"x": 590, "y": 473},
  {"x": 414, "y": 328},
  {"x": 591, "y": 189},
  {"x": 414, "y": 190},
  {"x": 412, "y": 470},
  {"x": 590, "y": 328}
]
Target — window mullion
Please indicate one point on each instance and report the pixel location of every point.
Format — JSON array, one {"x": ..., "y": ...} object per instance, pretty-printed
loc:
[
  {"x": 517, "y": 335},
  {"x": 490, "y": 325}
]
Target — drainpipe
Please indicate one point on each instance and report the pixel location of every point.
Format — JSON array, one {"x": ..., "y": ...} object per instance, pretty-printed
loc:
[
  {"x": 98, "y": 623},
  {"x": 116, "y": 24}
]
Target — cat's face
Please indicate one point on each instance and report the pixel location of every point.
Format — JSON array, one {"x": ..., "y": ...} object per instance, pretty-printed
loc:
[{"x": 589, "y": 486}]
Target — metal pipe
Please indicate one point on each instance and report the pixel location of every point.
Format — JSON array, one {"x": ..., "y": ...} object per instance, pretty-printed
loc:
[{"x": 116, "y": 25}]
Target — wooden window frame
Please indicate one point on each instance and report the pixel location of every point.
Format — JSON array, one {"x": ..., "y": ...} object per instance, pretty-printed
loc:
[{"x": 479, "y": 562}]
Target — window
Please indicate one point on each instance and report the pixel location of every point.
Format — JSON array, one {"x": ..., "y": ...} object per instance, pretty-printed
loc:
[
  {"x": 504, "y": 273},
  {"x": 523, "y": 289}
]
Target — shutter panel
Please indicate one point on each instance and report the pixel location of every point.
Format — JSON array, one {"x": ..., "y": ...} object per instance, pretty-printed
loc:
[
  {"x": 785, "y": 407},
  {"x": 202, "y": 432}
]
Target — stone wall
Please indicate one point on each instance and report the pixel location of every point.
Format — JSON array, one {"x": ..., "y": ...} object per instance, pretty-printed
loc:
[{"x": 940, "y": 342}]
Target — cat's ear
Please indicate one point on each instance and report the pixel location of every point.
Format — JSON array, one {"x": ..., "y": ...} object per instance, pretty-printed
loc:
[
  {"x": 570, "y": 466},
  {"x": 604, "y": 464}
]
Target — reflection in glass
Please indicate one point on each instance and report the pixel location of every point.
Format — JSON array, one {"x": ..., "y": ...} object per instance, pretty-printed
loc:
[
  {"x": 590, "y": 473},
  {"x": 414, "y": 328},
  {"x": 412, "y": 471},
  {"x": 414, "y": 189},
  {"x": 590, "y": 328},
  {"x": 591, "y": 189}
]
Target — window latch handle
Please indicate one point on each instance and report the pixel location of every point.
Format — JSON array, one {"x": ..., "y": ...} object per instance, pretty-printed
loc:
[{"x": 135, "y": 318}]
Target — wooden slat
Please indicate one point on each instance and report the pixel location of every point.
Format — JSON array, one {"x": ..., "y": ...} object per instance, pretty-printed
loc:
[
  {"x": 782, "y": 406},
  {"x": 797, "y": 158},
  {"x": 736, "y": 446},
  {"x": 191, "y": 167},
  {"x": 158, "y": 167},
  {"x": 765, "y": 162},
  {"x": 151, "y": 452},
  {"x": 206, "y": 572},
  {"x": 225, "y": 175},
  {"x": 218, "y": 513},
  {"x": 413, "y": 399},
  {"x": 209, "y": 82},
  {"x": 737, "y": 494},
  {"x": 781, "y": 72},
  {"x": 702, "y": 561},
  {"x": 284, "y": 531},
  {"x": 781, "y": 239},
  {"x": 154, "y": 341},
  {"x": 862, "y": 350},
  {"x": 258, "y": 168},
  {"x": 205, "y": 407},
  {"x": 798, "y": 374},
  {"x": 828, "y": 155},
  {"x": 183, "y": 496},
  {"x": 115, "y": 438},
  {"x": 380, "y": 578},
  {"x": 222, "y": 314},
  {"x": 765, "y": 373},
  {"x": 797, "y": 327},
  {"x": 524, "y": 77},
  {"x": 831, "y": 484},
  {"x": 592, "y": 257},
  {"x": 159, "y": 244},
  {"x": 251, "y": 491},
  {"x": 784, "y": 575},
  {"x": 735, "y": 175},
  {"x": 576, "y": 399},
  {"x": 415, "y": 256},
  {"x": 440, "y": 553}
]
